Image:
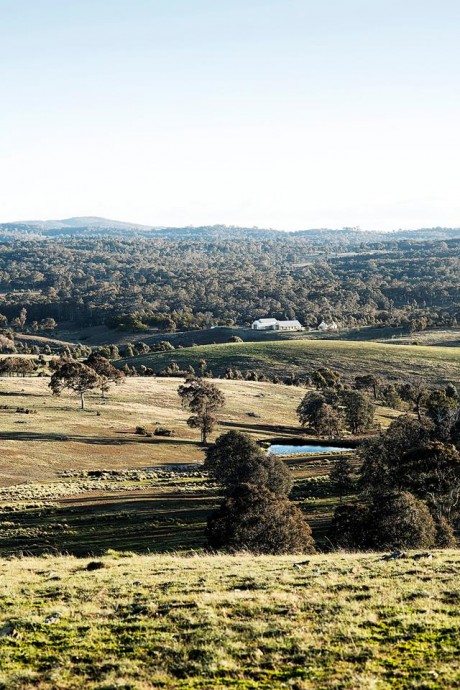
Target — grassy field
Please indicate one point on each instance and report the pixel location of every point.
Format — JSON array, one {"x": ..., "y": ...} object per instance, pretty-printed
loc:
[
  {"x": 59, "y": 436},
  {"x": 143, "y": 622},
  {"x": 139, "y": 605},
  {"x": 54, "y": 497},
  {"x": 436, "y": 365}
]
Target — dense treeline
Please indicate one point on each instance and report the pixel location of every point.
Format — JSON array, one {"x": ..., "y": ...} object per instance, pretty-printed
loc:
[{"x": 193, "y": 283}]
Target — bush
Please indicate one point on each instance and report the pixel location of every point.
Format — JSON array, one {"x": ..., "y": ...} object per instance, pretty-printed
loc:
[
  {"x": 162, "y": 431},
  {"x": 236, "y": 459},
  {"x": 393, "y": 520},
  {"x": 399, "y": 520},
  {"x": 349, "y": 527},
  {"x": 255, "y": 519},
  {"x": 445, "y": 536},
  {"x": 163, "y": 346}
]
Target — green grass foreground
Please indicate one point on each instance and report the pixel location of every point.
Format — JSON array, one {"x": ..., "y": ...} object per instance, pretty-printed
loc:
[
  {"x": 141, "y": 622},
  {"x": 433, "y": 364}
]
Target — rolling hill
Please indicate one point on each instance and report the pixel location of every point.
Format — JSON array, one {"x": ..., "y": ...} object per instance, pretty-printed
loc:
[{"x": 437, "y": 365}]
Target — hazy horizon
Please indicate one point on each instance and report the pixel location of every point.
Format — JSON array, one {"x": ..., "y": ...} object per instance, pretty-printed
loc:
[
  {"x": 287, "y": 114},
  {"x": 118, "y": 221}
]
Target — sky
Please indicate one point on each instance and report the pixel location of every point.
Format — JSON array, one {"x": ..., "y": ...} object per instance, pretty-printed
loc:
[{"x": 289, "y": 114}]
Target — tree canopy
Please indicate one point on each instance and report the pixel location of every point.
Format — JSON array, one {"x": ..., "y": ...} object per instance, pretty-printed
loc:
[
  {"x": 204, "y": 399},
  {"x": 77, "y": 377}
]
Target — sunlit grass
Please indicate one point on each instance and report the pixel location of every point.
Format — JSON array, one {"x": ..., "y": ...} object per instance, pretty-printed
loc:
[
  {"x": 337, "y": 621},
  {"x": 433, "y": 364}
]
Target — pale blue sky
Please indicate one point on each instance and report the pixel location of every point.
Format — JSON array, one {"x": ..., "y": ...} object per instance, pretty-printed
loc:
[{"x": 276, "y": 113}]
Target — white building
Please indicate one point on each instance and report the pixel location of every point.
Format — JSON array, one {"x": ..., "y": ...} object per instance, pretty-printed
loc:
[
  {"x": 275, "y": 325},
  {"x": 288, "y": 326},
  {"x": 324, "y": 326},
  {"x": 264, "y": 324}
]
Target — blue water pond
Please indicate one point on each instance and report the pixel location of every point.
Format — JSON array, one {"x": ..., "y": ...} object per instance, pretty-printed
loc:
[{"x": 309, "y": 449}]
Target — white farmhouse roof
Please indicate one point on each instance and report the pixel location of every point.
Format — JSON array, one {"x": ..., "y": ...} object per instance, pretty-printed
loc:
[
  {"x": 267, "y": 321},
  {"x": 292, "y": 324}
]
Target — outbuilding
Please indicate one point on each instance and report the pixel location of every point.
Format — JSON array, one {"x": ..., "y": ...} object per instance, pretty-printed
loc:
[{"x": 275, "y": 325}]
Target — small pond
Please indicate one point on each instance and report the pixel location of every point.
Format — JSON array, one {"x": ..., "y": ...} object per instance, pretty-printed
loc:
[{"x": 309, "y": 449}]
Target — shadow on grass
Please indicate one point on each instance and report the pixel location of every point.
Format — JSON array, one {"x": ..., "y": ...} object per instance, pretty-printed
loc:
[
  {"x": 91, "y": 440},
  {"x": 22, "y": 394},
  {"x": 265, "y": 427},
  {"x": 90, "y": 525}
]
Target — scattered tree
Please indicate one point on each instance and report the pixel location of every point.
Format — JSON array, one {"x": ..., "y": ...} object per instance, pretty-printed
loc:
[
  {"x": 255, "y": 519},
  {"x": 107, "y": 373},
  {"x": 392, "y": 520},
  {"x": 236, "y": 459},
  {"x": 368, "y": 382},
  {"x": 325, "y": 378},
  {"x": 443, "y": 410},
  {"x": 203, "y": 398},
  {"x": 349, "y": 526},
  {"x": 380, "y": 455},
  {"x": 399, "y": 520},
  {"x": 432, "y": 473},
  {"x": 77, "y": 377},
  {"x": 416, "y": 393},
  {"x": 310, "y": 409},
  {"x": 359, "y": 411},
  {"x": 341, "y": 476}
]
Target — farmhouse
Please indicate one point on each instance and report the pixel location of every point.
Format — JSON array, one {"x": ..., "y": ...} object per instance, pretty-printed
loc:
[{"x": 275, "y": 325}]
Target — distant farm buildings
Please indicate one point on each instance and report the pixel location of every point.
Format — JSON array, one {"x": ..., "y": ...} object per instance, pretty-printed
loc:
[
  {"x": 275, "y": 325},
  {"x": 331, "y": 326}
]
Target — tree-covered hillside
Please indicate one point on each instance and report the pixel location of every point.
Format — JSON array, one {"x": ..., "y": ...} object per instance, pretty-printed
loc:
[{"x": 211, "y": 277}]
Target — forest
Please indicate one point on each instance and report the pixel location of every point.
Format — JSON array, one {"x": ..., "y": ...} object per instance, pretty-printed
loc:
[{"x": 200, "y": 279}]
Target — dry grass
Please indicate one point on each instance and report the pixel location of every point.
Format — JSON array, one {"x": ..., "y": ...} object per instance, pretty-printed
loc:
[{"x": 60, "y": 436}]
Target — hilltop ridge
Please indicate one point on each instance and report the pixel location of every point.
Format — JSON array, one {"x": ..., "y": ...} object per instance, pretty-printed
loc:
[{"x": 95, "y": 225}]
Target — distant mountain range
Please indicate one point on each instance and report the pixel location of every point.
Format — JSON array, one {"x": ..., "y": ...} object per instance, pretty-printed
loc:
[
  {"x": 94, "y": 226},
  {"x": 88, "y": 222}
]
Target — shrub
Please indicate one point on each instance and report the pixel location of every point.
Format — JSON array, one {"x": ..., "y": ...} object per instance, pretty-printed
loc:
[
  {"x": 162, "y": 431},
  {"x": 399, "y": 520},
  {"x": 255, "y": 519},
  {"x": 445, "y": 537},
  {"x": 349, "y": 527},
  {"x": 163, "y": 346}
]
